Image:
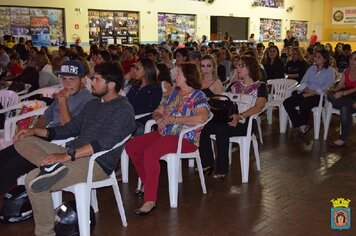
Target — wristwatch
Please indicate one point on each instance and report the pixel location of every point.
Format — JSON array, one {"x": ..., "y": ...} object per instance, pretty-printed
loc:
[{"x": 71, "y": 152}]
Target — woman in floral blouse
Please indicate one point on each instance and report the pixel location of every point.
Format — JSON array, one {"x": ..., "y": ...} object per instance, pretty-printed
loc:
[{"x": 185, "y": 107}]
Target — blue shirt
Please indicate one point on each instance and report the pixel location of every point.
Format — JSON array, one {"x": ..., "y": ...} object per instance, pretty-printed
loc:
[{"x": 317, "y": 80}]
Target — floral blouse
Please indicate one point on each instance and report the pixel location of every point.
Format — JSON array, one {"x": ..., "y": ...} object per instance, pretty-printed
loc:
[{"x": 184, "y": 106}]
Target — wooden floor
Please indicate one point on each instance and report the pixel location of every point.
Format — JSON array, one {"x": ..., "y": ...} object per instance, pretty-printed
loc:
[{"x": 290, "y": 196}]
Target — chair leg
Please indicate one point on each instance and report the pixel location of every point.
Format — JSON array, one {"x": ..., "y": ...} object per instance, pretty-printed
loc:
[
  {"x": 212, "y": 148},
  {"x": 269, "y": 115},
  {"x": 139, "y": 184},
  {"x": 57, "y": 199},
  {"x": 180, "y": 178},
  {"x": 230, "y": 152},
  {"x": 173, "y": 168},
  {"x": 245, "y": 159},
  {"x": 82, "y": 196},
  {"x": 283, "y": 120},
  {"x": 257, "y": 154},
  {"x": 201, "y": 174},
  {"x": 191, "y": 163},
  {"x": 125, "y": 166},
  {"x": 316, "y": 117},
  {"x": 94, "y": 201},
  {"x": 118, "y": 199},
  {"x": 259, "y": 129},
  {"x": 327, "y": 121}
]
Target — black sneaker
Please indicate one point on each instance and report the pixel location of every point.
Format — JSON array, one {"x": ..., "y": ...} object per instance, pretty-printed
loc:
[{"x": 48, "y": 176}]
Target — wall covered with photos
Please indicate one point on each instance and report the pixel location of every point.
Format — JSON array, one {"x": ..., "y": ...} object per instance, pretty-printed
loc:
[
  {"x": 113, "y": 27},
  {"x": 176, "y": 25},
  {"x": 44, "y": 26},
  {"x": 299, "y": 29},
  {"x": 76, "y": 21},
  {"x": 270, "y": 30}
]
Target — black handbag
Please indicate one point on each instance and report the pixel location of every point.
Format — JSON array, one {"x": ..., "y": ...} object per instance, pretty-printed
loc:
[{"x": 222, "y": 107}]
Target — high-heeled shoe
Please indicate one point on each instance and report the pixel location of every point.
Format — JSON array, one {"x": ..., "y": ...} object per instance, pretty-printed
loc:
[{"x": 143, "y": 213}]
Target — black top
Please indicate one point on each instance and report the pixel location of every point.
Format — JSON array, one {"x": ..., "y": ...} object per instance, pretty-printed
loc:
[
  {"x": 288, "y": 42},
  {"x": 297, "y": 67},
  {"x": 275, "y": 70}
]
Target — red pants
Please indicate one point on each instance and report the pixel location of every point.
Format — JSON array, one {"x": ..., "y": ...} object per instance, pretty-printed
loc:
[{"x": 145, "y": 152}]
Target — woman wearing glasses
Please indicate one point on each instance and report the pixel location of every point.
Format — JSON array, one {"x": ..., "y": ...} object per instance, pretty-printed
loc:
[{"x": 250, "y": 85}]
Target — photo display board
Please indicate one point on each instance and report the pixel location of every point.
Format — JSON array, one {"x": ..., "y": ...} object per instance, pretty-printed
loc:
[
  {"x": 269, "y": 3},
  {"x": 299, "y": 29},
  {"x": 113, "y": 27},
  {"x": 44, "y": 26},
  {"x": 176, "y": 25},
  {"x": 270, "y": 29}
]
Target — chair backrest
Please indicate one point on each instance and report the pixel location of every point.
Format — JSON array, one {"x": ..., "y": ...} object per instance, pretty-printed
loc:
[
  {"x": 243, "y": 101},
  {"x": 45, "y": 92},
  {"x": 27, "y": 88},
  {"x": 10, "y": 124},
  {"x": 8, "y": 98},
  {"x": 281, "y": 88}
]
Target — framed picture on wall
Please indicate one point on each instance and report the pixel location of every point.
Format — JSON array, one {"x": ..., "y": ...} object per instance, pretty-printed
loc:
[
  {"x": 175, "y": 25},
  {"x": 44, "y": 26},
  {"x": 113, "y": 27},
  {"x": 270, "y": 29},
  {"x": 299, "y": 29}
]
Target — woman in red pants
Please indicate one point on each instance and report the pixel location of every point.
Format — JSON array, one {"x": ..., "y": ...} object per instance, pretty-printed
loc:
[{"x": 185, "y": 107}]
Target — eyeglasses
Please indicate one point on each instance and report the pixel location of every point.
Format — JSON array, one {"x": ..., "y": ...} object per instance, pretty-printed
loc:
[{"x": 241, "y": 65}]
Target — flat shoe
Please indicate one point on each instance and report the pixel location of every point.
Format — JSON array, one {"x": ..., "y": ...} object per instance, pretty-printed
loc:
[
  {"x": 334, "y": 145},
  {"x": 143, "y": 213},
  {"x": 139, "y": 193}
]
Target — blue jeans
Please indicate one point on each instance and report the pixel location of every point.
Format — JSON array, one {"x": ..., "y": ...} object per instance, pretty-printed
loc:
[{"x": 344, "y": 104}]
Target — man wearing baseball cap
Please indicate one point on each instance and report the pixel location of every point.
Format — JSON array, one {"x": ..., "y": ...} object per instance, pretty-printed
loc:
[
  {"x": 166, "y": 55},
  {"x": 101, "y": 124},
  {"x": 68, "y": 102}
]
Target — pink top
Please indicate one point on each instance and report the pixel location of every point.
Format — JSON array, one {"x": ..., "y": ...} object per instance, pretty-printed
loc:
[{"x": 348, "y": 82}]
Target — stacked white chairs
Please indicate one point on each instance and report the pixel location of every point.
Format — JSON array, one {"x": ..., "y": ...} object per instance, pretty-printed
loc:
[
  {"x": 85, "y": 194},
  {"x": 244, "y": 141},
  {"x": 10, "y": 125},
  {"x": 280, "y": 90},
  {"x": 45, "y": 92},
  {"x": 329, "y": 111}
]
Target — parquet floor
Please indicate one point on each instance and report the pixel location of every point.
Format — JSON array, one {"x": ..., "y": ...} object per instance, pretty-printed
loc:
[{"x": 290, "y": 196}]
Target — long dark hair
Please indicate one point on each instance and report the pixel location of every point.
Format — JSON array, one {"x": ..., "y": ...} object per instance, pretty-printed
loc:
[
  {"x": 325, "y": 54},
  {"x": 164, "y": 73},
  {"x": 150, "y": 70}
]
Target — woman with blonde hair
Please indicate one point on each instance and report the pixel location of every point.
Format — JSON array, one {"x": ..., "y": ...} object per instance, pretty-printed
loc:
[{"x": 211, "y": 85}]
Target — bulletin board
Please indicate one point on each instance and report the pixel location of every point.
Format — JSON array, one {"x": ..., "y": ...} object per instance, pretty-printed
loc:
[
  {"x": 270, "y": 29},
  {"x": 299, "y": 29},
  {"x": 268, "y": 3},
  {"x": 113, "y": 27},
  {"x": 176, "y": 25},
  {"x": 44, "y": 26}
]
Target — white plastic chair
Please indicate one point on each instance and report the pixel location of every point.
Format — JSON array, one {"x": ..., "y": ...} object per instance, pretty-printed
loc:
[
  {"x": 10, "y": 124},
  {"x": 244, "y": 144},
  {"x": 8, "y": 98},
  {"x": 85, "y": 194},
  {"x": 244, "y": 102},
  {"x": 318, "y": 116},
  {"x": 281, "y": 89},
  {"x": 174, "y": 167},
  {"x": 45, "y": 92},
  {"x": 27, "y": 87},
  {"x": 125, "y": 158},
  {"x": 329, "y": 111}
]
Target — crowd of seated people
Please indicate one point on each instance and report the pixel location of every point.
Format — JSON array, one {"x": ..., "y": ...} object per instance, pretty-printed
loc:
[{"x": 174, "y": 83}]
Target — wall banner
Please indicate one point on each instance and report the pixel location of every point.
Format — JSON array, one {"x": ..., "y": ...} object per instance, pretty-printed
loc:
[{"x": 344, "y": 15}]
